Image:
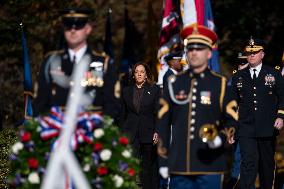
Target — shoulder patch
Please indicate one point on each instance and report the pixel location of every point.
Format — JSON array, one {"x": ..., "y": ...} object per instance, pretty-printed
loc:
[
  {"x": 54, "y": 52},
  {"x": 277, "y": 67}
]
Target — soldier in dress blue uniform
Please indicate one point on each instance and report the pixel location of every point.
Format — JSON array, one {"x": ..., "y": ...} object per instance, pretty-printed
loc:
[
  {"x": 259, "y": 92},
  {"x": 54, "y": 79},
  {"x": 173, "y": 61},
  {"x": 195, "y": 104}
]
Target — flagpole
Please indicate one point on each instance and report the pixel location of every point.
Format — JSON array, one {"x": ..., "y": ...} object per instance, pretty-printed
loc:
[{"x": 28, "y": 95}]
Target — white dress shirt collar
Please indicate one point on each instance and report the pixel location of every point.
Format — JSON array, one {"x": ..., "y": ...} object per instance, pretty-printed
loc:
[
  {"x": 79, "y": 54},
  {"x": 174, "y": 71},
  {"x": 258, "y": 68}
]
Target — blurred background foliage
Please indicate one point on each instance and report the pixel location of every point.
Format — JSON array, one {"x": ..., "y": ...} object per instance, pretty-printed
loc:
[{"x": 235, "y": 20}]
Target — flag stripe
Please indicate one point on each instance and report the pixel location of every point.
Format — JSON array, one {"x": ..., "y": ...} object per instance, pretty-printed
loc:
[
  {"x": 189, "y": 12},
  {"x": 200, "y": 11},
  {"x": 199, "y": 4}
]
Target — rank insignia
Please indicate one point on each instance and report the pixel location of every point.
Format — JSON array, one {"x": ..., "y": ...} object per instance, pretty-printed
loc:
[
  {"x": 205, "y": 97},
  {"x": 240, "y": 83}
]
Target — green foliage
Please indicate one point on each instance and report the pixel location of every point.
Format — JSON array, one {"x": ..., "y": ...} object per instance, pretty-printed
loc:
[{"x": 7, "y": 138}]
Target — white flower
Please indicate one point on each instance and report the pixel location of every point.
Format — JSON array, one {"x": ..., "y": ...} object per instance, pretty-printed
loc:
[
  {"x": 126, "y": 153},
  {"x": 38, "y": 129},
  {"x": 118, "y": 181},
  {"x": 87, "y": 167},
  {"x": 105, "y": 154},
  {"x": 98, "y": 133},
  {"x": 17, "y": 147},
  {"x": 33, "y": 178}
]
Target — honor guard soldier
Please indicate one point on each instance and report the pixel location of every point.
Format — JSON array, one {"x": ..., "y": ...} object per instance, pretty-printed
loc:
[
  {"x": 54, "y": 79},
  {"x": 173, "y": 61},
  {"x": 259, "y": 92},
  {"x": 195, "y": 105}
]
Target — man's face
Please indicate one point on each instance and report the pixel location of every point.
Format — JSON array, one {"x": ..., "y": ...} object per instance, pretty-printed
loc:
[
  {"x": 255, "y": 58},
  {"x": 175, "y": 64},
  {"x": 77, "y": 37},
  {"x": 198, "y": 57}
]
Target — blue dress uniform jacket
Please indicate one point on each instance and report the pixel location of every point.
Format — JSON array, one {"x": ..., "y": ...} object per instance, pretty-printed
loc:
[
  {"x": 51, "y": 93},
  {"x": 260, "y": 102},
  {"x": 168, "y": 73},
  {"x": 186, "y": 154}
]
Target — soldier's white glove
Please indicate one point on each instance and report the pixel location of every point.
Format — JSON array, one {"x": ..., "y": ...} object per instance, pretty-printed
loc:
[
  {"x": 164, "y": 172},
  {"x": 216, "y": 143}
]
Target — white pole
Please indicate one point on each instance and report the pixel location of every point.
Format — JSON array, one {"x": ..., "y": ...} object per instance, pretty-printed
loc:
[{"x": 62, "y": 159}]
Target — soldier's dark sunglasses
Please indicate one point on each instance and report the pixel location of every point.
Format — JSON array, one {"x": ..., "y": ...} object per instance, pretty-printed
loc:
[{"x": 74, "y": 25}]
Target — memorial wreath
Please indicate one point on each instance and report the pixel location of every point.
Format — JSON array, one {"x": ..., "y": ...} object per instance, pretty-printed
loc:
[{"x": 104, "y": 154}]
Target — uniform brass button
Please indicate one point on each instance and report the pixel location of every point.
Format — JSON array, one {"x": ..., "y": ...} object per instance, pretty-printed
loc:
[
  {"x": 254, "y": 94},
  {"x": 194, "y": 90},
  {"x": 254, "y": 87},
  {"x": 255, "y": 101},
  {"x": 192, "y": 121},
  {"x": 191, "y": 137},
  {"x": 193, "y": 113},
  {"x": 255, "y": 108},
  {"x": 53, "y": 92},
  {"x": 192, "y": 129},
  {"x": 194, "y": 97},
  {"x": 193, "y": 105},
  {"x": 195, "y": 83}
]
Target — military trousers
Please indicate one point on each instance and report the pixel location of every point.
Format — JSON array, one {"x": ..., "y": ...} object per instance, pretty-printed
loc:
[
  {"x": 257, "y": 156},
  {"x": 196, "y": 181}
]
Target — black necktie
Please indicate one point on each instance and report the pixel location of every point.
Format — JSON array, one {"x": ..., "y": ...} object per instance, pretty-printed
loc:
[
  {"x": 254, "y": 74},
  {"x": 74, "y": 59}
]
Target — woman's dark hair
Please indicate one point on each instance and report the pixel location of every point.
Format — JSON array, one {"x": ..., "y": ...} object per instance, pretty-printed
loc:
[{"x": 149, "y": 79}]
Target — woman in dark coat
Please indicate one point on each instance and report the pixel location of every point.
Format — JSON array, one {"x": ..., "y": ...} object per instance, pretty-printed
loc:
[{"x": 139, "y": 109}]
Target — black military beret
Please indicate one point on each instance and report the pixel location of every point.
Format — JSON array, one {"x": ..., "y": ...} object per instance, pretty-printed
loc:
[{"x": 173, "y": 55}]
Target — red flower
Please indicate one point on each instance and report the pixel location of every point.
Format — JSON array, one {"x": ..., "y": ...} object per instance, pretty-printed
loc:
[
  {"x": 33, "y": 163},
  {"x": 102, "y": 171},
  {"x": 26, "y": 136},
  {"x": 131, "y": 172},
  {"x": 123, "y": 140},
  {"x": 97, "y": 147}
]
